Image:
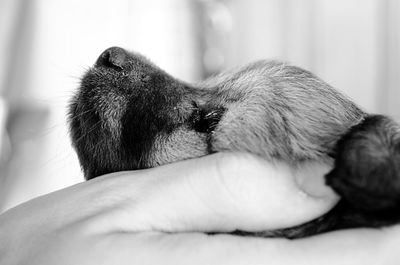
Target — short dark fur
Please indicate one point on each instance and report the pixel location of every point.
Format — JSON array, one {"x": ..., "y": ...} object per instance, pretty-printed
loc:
[{"x": 128, "y": 114}]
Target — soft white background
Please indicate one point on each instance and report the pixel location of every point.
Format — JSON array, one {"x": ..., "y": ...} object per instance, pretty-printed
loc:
[{"x": 46, "y": 45}]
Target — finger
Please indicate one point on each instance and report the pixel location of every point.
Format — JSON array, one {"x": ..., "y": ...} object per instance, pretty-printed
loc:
[
  {"x": 221, "y": 192},
  {"x": 353, "y": 247}
]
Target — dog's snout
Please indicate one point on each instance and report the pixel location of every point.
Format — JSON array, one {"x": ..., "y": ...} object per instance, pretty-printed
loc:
[{"x": 114, "y": 57}]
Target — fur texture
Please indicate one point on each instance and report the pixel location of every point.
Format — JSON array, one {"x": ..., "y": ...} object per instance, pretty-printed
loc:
[{"x": 129, "y": 114}]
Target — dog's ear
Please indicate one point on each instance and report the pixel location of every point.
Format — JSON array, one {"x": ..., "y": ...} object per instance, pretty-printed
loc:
[{"x": 367, "y": 166}]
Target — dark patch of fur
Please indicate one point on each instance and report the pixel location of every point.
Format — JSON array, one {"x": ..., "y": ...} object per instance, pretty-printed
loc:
[
  {"x": 367, "y": 168},
  {"x": 128, "y": 114}
]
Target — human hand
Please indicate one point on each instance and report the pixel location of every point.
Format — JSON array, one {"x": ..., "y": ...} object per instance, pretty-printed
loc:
[{"x": 121, "y": 219}]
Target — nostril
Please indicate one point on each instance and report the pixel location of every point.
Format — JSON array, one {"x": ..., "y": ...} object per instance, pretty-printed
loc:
[{"x": 114, "y": 57}]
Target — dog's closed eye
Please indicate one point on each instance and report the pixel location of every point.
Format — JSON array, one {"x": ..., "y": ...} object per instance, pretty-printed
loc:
[{"x": 206, "y": 119}]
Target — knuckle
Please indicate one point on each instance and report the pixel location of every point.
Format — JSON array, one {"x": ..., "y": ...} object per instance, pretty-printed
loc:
[
  {"x": 233, "y": 164},
  {"x": 227, "y": 161}
]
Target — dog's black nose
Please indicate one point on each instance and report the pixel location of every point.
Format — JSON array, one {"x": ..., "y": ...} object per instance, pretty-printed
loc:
[{"x": 113, "y": 57}]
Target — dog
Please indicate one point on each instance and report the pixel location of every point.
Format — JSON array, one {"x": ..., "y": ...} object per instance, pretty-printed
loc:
[{"x": 129, "y": 114}]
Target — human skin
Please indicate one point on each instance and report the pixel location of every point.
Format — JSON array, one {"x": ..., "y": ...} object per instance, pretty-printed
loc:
[{"x": 123, "y": 218}]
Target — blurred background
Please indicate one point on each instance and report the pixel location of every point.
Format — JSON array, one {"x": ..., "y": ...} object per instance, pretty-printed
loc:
[{"x": 46, "y": 45}]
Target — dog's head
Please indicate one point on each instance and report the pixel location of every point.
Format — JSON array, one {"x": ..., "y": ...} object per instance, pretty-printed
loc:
[{"x": 129, "y": 114}]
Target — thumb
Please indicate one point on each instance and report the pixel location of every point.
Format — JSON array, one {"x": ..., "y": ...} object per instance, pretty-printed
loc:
[{"x": 220, "y": 192}]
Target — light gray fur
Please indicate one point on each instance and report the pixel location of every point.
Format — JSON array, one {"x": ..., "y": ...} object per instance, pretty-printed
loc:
[{"x": 274, "y": 109}]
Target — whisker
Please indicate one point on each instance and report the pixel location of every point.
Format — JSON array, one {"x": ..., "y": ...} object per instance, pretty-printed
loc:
[
  {"x": 94, "y": 127},
  {"x": 98, "y": 144},
  {"x": 80, "y": 114}
]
